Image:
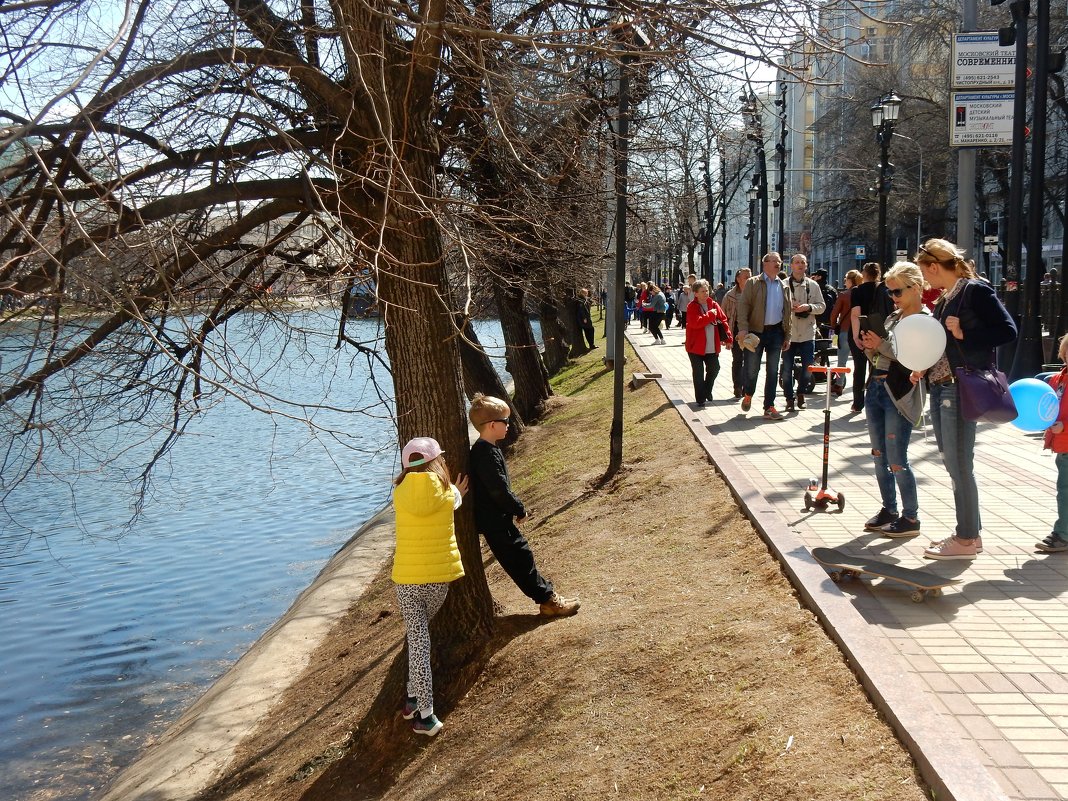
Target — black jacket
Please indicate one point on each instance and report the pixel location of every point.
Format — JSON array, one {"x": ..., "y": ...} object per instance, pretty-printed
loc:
[
  {"x": 985, "y": 323},
  {"x": 494, "y": 502}
]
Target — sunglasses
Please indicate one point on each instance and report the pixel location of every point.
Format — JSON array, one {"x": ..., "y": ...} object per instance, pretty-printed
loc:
[
  {"x": 501, "y": 420},
  {"x": 896, "y": 293}
]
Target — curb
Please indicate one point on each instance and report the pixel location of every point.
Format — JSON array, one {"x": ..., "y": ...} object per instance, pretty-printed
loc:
[{"x": 949, "y": 767}]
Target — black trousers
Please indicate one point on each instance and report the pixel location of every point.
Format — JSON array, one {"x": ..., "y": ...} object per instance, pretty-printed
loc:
[
  {"x": 654, "y": 324},
  {"x": 590, "y": 334},
  {"x": 705, "y": 369},
  {"x": 860, "y": 369},
  {"x": 513, "y": 554}
]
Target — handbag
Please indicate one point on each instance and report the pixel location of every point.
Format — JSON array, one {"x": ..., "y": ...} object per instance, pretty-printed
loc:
[
  {"x": 984, "y": 395},
  {"x": 984, "y": 391}
]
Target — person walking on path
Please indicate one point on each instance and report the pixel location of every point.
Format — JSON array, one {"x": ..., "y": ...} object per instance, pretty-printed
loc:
[
  {"x": 683, "y": 297},
  {"x": 840, "y": 326},
  {"x": 1056, "y": 440},
  {"x": 426, "y": 561},
  {"x": 764, "y": 310},
  {"x": 730, "y": 308},
  {"x": 976, "y": 324},
  {"x": 867, "y": 300},
  {"x": 830, "y": 297},
  {"x": 498, "y": 510},
  {"x": 655, "y": 308},
  {"x": 706, "y": 332},
  {"x": 669, "y": 306},
  {"x": 893, "y": 405},
  {"x": 806, "y": 304}
]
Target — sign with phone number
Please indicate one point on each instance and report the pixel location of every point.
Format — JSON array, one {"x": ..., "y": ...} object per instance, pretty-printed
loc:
[{"x": 980, "y": 119}]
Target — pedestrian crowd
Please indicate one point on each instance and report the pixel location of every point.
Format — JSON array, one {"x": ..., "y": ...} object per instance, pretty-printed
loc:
[{"x": 785, "y": 321}]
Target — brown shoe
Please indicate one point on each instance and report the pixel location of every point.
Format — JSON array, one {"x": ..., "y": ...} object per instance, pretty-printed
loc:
[{"x": 560, "y": 607}]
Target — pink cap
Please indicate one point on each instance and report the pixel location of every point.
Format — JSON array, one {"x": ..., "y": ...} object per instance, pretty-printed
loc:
[{"x": 427, "y": 448}]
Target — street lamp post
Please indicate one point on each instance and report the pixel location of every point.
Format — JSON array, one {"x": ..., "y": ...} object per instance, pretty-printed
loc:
[
  {"x": 780, "y": 185},
  {"x": 632, "y": 38},
  {"x": 753, "y": 195},
  {"x": 884, "y": 116}
]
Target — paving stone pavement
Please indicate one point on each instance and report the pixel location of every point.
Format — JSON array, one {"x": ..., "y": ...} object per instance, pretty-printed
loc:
[{"x": 991, "y": 652}]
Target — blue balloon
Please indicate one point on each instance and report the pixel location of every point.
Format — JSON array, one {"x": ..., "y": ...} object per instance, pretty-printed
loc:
[{"x": 1036, "y": 403}]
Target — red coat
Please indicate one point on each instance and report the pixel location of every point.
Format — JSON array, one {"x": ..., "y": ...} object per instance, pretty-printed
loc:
[
  {"x": 1058, "y": 443},
  {"x": 695, "y": 327}
]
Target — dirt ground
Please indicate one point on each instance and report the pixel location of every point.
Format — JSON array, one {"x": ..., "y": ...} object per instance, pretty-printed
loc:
[{"x": 691, "y": 671}]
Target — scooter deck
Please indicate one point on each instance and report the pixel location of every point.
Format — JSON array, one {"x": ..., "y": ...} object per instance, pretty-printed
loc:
[{"x": 842, "y": 566}]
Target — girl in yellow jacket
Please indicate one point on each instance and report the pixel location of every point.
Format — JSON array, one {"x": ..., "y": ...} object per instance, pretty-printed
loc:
[{"x": 426, "y": 560}]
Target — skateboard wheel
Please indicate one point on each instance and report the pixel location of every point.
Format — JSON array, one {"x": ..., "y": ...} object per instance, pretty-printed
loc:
[
  {"x": 836, "y": 576},
  {"x": 935, "y": 593},
  {"x": 917, "y": 596}
]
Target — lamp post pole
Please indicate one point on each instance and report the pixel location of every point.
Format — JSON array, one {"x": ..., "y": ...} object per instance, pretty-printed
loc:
[
  {"x": 1029, "y": 353},
  {"x": 753, "y": 194},
  {"x": 884, "y": 116},
  {"x": 780, "y": 185}
]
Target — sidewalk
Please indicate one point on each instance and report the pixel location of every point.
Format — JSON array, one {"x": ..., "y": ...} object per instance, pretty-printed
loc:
[{"x": 991, "y": 653}]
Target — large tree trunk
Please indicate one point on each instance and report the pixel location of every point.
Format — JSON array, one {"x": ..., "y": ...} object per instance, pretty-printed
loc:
[
  {"x": 554, "y": 336},
  {"x": 524, "y": 359},
  {"x": 480, "y": 375}
]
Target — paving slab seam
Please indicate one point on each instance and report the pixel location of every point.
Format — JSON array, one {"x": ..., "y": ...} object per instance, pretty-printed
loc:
[{"x": 947, "y": 763}]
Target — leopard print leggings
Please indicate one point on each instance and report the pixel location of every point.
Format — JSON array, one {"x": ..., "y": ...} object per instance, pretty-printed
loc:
[{"x": 418, "y": 604}]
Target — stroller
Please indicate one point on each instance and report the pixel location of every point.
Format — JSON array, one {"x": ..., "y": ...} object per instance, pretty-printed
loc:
[{"x": 824, "y": 352}]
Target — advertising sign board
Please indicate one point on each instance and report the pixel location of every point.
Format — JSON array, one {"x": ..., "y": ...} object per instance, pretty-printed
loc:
[
  {"x": 980, "y": 119},
  {"x": 978, "y": 61}
]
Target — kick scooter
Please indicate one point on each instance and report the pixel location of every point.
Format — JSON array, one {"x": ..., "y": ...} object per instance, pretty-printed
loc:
[{"x": 824, "y": 496}]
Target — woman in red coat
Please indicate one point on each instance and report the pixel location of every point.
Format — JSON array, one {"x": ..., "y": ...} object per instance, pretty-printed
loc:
[{"x": 706, "y": 332}]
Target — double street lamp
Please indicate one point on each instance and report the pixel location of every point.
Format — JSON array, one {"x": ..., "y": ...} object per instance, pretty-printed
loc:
[{"x": 884, "y": 116}]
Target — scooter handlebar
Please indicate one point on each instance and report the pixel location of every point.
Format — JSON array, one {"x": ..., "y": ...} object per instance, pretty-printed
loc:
[{"x": 814, "y": 368}]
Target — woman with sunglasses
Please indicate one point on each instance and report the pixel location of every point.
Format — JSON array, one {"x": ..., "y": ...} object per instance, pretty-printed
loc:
[
  {"x": 893, "y": 405},
  {"x": 976, "y": 323}
]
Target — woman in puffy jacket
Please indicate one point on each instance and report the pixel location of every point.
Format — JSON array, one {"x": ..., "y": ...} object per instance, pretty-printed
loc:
[
  {"x": 426, "y": 560},
  {"x": 706, "y": 332}
]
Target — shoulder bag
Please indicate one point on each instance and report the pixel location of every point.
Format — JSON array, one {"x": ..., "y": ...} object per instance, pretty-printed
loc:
[{"x": 984, "y": 391}]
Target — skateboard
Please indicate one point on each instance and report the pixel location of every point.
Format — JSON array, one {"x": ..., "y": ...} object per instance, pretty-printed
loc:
[{"x": 840, "y": 566}]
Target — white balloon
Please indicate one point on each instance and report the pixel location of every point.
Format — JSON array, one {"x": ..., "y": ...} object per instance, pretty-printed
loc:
[{"x": 919, "y": 341}]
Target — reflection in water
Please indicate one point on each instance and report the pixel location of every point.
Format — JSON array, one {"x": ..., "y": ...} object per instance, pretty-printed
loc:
[{"x": 107, "y": 637}]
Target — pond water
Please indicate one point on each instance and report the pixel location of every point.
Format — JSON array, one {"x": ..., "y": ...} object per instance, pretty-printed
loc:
[{"x": 109, "y": 633}]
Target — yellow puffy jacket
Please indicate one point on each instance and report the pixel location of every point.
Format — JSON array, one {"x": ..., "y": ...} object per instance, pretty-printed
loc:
[{"x": 426, "y": 536}]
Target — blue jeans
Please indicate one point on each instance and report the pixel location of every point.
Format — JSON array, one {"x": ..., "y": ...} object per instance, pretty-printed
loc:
[
  {"x": 955, "y": 437},
  {"x": 843, "y": 356},
  {"x": 771, "y": 344},
  {"x": 807, "y": 352},
  {"x": 1061, "y": 526},
  {"x": 889, "y": 432}
]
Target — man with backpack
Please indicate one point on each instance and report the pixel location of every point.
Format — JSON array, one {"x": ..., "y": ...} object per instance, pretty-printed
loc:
[{"x": 806, "y": 305}]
